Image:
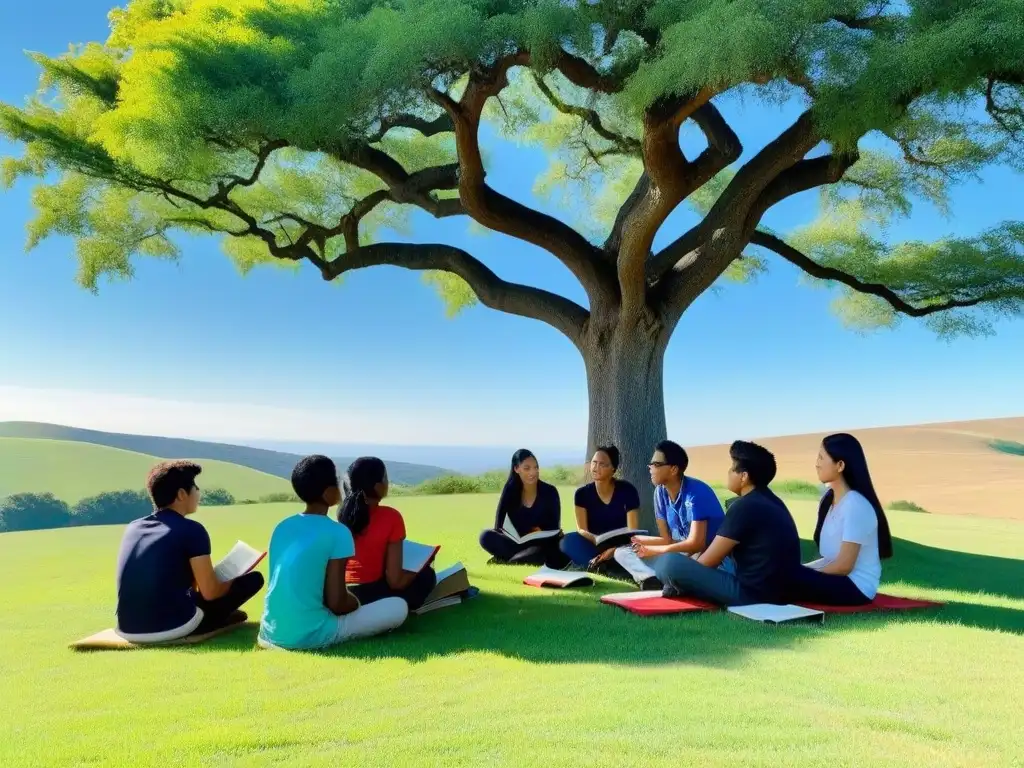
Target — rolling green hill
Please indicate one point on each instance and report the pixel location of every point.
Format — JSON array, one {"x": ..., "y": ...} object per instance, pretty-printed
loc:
[
  {"x": 525, "y": 676},
  {"x": 276, "y": 463},
  {"x": 73, "y": 471}
]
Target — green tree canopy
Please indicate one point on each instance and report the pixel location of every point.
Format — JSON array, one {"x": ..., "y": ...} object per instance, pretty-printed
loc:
[{"x": 308, "y": 130}]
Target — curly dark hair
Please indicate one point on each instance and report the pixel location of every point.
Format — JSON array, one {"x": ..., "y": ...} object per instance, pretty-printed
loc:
[{"x": 168, "y": 477}]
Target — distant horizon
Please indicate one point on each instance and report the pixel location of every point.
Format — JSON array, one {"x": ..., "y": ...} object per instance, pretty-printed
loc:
[{"x": 310, "y": 446}]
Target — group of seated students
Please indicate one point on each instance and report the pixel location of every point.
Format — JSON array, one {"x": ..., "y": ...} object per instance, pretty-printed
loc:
[
  {"x": 329, "y": 580},
  {"x": 334, "y": 580},
  {"x": 747, "y": 553}
]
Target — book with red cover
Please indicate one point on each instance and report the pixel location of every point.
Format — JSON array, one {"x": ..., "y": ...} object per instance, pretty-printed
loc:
[{"x": 653, "y": 603}]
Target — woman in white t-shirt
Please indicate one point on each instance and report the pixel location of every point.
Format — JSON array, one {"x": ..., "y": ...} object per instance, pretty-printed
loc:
[{"x": 852, "y": 533}]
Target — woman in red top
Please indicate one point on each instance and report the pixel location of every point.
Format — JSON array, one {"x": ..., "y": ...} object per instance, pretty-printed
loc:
[{"x": 375, "y": 572}]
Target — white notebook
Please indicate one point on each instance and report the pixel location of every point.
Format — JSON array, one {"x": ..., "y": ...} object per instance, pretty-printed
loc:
[
  {"x": 416, "y": 556},
  {"x": 239, "y": 561},
  {"x": 509, "y": 530},
  {"x": 769, "y": 613}
]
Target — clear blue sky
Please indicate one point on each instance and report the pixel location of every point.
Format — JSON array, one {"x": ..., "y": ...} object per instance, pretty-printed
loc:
[{"x": 283, "y": 356}]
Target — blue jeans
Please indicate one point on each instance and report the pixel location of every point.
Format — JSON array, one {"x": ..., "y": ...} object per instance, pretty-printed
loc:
[
  {"x": 685, "y": 576},
  {"x": 578, "y": 549}
]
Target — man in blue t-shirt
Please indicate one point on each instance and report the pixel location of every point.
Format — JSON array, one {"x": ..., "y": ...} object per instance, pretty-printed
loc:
[
  {"x": 166, "y": 584},
  {"x": 687, "y": 511}
]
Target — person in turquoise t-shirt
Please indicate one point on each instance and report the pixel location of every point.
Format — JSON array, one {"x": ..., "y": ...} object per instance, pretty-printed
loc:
[
  {"x": 307, "y": 603},
  {"x": 687, "y": 511}
]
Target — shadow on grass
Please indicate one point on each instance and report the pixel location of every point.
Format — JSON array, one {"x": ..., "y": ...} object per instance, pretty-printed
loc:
[
  {"x": 935, "y": 568},
  {"x": 573, "y": 626}
]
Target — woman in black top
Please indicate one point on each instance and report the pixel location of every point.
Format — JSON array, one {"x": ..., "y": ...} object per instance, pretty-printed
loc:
[
  {"x": 604, "y": 505},
  {"x": 527, "y": 505}
]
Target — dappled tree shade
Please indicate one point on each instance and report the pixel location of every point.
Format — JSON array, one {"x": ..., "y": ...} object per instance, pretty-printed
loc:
[
  {"x": 33, "y": 512},
  {"x": 310, "y": 130}
]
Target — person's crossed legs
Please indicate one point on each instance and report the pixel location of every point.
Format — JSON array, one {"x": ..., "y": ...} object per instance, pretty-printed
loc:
[
  {"x": 216, "y": 613},
  {"x": 683, "y": 575}
]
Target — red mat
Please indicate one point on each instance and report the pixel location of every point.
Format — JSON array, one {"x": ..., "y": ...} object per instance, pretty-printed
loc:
[
  {"x": 881, "y": 602},
  {"x": 652, "y": 603}
]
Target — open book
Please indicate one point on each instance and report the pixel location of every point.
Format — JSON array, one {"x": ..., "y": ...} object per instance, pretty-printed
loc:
[
  {"x": 451, "y": 589},
  {"x": 550, "y": 577},
  {"x": 617, "y": 537},
  {"x": 770, "y": 613},
  {"x": 416, "y": 556},
  {"x": 509, "y": 530},
  {"x": 239, "y": 561}
]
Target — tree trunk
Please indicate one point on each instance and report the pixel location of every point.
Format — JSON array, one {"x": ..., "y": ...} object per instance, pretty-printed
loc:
[{"x": 627, "y": 402}]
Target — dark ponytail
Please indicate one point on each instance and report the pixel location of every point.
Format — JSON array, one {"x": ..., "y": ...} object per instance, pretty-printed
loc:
[
  {"x": 847, "y": 449},
  {"x": 358, "y": 487}
]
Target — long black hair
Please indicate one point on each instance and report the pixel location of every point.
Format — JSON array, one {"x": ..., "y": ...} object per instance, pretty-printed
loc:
[
  {"x": 847, "y": 449},
  {"x": 360, "y": 482},
  {"x": 512, "y": 493}
]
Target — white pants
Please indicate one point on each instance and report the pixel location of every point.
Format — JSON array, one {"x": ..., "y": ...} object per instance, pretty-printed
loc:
[
  {"x": 167, "y": 635},
  {"x": 374, "y": 618},
  {"x": 640, "y": 568},
  {"x": 365, "y": 621}
]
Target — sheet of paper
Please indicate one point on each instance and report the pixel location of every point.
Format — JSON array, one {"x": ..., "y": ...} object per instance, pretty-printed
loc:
[{"x": 770, "y": 612}]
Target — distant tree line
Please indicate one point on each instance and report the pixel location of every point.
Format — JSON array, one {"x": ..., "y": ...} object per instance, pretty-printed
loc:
[{"x": 41, "y": 511}]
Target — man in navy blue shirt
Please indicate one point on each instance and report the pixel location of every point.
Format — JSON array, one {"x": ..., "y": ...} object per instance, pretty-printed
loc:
[
  {"x": 687, "y": 511},
  {"x": 166, "y": 585},
  {"x": 758, "y": 532}
]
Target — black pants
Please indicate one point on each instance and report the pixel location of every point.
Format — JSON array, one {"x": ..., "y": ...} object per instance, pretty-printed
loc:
[
  {"x": 811, "y": 586},
  {"x": 414, "y": 594},
  {"x": 543, "y": 552},
  {"x": 217, "y": 612}
]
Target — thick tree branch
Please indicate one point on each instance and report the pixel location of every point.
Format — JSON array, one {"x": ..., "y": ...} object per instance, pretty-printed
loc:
[
  {"x": 579, "y": 72},
  {"x": 440, "y": 124},
  {"x": 812, "y": 268},
  {"x": 670, "y": 180},
  {"x": 514, "y": 298},
  {"x": 734, "y": 206},
  {"x": 503, "y": 214}
]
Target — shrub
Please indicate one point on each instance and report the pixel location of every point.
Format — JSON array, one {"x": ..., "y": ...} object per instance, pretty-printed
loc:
[
  {"x": 448, "y": 485},
  {"x": 112, "y": 508},
  {"x": 33, "y": 512},
  {"x": 280, "y": 497},
  {"x": 563, "y": 475},
  {"x": 797, "y": 488},
  {"x": 217, "y": 497},
  {"x": 906, "y": 506},
  {"x": 1011, "y": 447}
]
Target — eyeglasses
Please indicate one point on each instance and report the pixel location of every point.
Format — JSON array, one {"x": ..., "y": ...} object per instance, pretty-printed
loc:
[{"x": 657, "y": 464}]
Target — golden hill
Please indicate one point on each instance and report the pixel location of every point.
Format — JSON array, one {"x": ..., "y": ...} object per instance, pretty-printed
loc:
[{"x": 948, "y": 468}]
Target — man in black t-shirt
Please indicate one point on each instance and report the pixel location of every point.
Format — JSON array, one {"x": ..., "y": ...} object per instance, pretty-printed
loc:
[
  {"x": 758, "y": 532},
  {"x": 165, "y": 557}
]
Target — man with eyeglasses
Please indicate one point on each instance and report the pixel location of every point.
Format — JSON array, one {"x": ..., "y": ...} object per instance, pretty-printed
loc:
[{"x": 687, "y": 511}]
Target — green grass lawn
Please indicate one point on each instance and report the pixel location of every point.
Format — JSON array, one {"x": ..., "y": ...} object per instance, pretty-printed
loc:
[
  {"x": 521, "y": 676},
  {"x": 72, "y": 471}
]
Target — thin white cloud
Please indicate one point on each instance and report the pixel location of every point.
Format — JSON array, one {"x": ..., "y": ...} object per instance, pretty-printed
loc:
[{"x": 468, "y": 426}]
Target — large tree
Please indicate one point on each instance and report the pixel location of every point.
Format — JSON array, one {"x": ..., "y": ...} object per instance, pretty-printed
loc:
[{"x": 306, "y": 130}]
